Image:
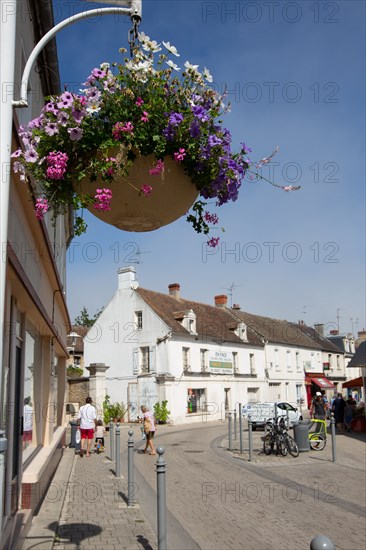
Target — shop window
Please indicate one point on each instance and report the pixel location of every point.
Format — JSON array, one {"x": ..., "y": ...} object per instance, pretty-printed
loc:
[{"x": 196, "y": 400}]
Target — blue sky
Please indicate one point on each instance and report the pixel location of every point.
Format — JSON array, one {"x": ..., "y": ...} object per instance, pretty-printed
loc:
[{"x": 295, "y": 76}]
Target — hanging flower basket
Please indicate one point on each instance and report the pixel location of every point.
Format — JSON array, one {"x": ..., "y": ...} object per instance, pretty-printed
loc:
[
  {"x": 172, "y": 195},
  {"x": 163, "y": 118}
]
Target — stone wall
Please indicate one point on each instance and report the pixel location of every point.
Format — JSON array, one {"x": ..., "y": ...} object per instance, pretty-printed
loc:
[{"x": 78, "y": 390}]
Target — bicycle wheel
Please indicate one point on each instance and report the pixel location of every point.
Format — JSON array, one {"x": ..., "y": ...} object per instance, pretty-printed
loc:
[
  {"x": 268, "y": 444},
  {"x": 281, "y": 445},
  {"x": 291, "y": 445},
  {"x": 317, "y": 442}
]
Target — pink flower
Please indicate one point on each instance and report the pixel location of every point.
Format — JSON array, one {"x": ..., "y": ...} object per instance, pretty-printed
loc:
[
  {"x": 145, "y": 118},
  {"x": 139, "y": 102},
  {"x": 158, "y": 168},
  {"x": 179, "y": 156},
  {"x": 57, "y": 163},
  {"x": 41, "y": 207},
  {"x": 146, "y": 190},
  {"x": 211, "y": 218},
  {"x": 213, "y": 242},
  {"x": 103, "y": 199},
  {"x": 120, "y": 127}
]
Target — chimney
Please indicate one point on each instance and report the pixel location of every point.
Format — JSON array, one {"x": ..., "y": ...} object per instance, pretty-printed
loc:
[
  {"x": 174, "y": 290},
  {"x": 319, "y": 328},
  {"x": 236, "y": 306},
  {"x": 361, "y": 335},
  {"x": 126, "y": 276},
  {"x": 221, "y": 300}
]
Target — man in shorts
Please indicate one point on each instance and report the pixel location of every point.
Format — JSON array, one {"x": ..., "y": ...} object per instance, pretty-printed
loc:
[{"x": 88, "y": 421}]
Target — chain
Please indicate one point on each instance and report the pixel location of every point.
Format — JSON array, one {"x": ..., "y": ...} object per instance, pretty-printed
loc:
[{"x": 133, "y": 33}]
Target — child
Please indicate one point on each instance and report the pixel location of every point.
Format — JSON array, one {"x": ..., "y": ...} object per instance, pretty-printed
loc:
[{"x": 99, "y": 437}]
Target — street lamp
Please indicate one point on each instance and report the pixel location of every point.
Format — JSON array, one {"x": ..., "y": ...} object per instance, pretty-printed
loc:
[
  {"x": 8, "y": 16},
  {"x": 73, "y": 335}
]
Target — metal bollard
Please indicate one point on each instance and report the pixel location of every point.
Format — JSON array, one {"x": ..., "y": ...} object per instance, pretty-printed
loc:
[
  {"x": 240, "y": 429},
  {"x": 275, "y": 411},
  {"x": 333, "y": 432},
  {"x": 161, "y": 496},
  {"x": 250, "y": 434},
  {"x": 234, "y": 424},
  {"x": 287, "y": 419},
  {"x": 322, "y": 542},
  {"x": 118, "y": 450},
  {"x": 230, "y": 439},
  {"x": 111, "y": 441},
  {"x": 130, "y": 501}
]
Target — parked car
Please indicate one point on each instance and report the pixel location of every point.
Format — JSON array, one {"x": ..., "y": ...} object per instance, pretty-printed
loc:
[{"x": 261, "y": 412}]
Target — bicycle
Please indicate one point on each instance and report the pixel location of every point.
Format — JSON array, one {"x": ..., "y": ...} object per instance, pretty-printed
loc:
[
  {"x": 278, "y": 436},
  {"x": 318, "y": 440}
]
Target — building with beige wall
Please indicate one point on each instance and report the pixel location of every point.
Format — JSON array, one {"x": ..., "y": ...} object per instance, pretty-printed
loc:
[{"x": 36, "y": 320}]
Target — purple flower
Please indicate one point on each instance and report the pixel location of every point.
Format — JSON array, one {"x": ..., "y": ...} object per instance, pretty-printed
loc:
[
  {"x": 214, "y": 140},
  {"x": 31, "y": 155},
  {"x": 194, "y": 129},
  {"x": 36, "y": 123},
  {"x": 50, "y": 108},
  {"x": 200, "y": 113},
  {"x": 62, "y": 118},
  {"x": 245, "y": 148},
  {"x": 75, "y": 133},
  {"x": 16, "y": 154},
  {"x": 175, "y": 119},
  {"x": 51, "y": 129},
  {"x": 98, "y": 73},
  {"x": 65, "y": 102},
  {"x": 78, "y": 115}
]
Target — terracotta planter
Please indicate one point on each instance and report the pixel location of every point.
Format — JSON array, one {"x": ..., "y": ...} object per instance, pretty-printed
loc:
[{"x": 172, "y": 195}]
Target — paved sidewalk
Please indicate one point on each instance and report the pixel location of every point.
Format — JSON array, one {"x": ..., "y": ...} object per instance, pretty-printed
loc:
[{"x": 85, "y": 508}]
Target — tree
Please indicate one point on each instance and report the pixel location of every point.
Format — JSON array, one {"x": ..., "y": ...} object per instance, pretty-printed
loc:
[{"x": 84, "y": 320}]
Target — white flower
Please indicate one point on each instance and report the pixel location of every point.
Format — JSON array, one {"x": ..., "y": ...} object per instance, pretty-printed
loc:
[
  {"x": 151, "y": 46},
  {"x": 104, "y": 66},
  {"x": 143, "y": 37},
  {"x": 207, "y": 75},
  {"x": 172, "y": 65},
  {"x": 171, "y": 49},
  {"x": 193, "y": 68},
  {"x": 93, "y": 107}
]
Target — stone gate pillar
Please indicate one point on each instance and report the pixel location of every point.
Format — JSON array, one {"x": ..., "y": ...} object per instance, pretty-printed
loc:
[{"x": 97, "y": 385}]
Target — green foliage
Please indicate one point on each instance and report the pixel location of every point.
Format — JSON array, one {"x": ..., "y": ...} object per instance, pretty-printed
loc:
[
  {"x": 161, "y": 412},
  {"x": 113, "y": 411},
  {"x": 74, "y": 371},
  {"x": 85, "y": 320}
]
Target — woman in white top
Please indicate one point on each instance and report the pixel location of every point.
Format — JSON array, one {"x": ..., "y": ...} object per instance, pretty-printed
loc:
[{"x": 149, "y": 428}]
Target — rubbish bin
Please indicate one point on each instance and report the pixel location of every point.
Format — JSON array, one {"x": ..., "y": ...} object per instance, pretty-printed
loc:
[
  {"x": 301, "y": 435},
  {"x": 74, "y": 427}
]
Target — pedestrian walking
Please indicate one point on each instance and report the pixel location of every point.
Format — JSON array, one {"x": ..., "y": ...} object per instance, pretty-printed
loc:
[
  {"x": 87, "y": 419},
  {"x": 338, "y": 408},
  {"x": 318, "y": 410},
  {"x": 149, "y": 429}
]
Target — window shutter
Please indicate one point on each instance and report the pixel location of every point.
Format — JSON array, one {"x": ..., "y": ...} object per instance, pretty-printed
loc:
[
  {"x": 135, "y": 361},
  {"x": 152, "y": 358}
]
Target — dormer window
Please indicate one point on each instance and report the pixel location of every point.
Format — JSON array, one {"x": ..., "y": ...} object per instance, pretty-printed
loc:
[
  {"x": 241, "y": 332},
  {"x": 187, "y": 319}
]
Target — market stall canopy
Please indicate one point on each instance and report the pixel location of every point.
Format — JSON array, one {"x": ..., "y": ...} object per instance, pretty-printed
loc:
[
  {"x": 320, "y": 381},
  {"x": 354, "y": 383}
]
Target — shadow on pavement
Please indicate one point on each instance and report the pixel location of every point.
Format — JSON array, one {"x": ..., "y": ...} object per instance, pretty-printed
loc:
[
  {"x": 144, "y": 542},
  {"x": 74, "y": 532}
]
